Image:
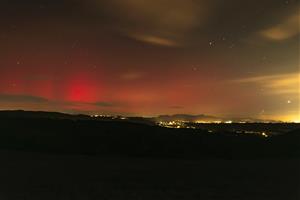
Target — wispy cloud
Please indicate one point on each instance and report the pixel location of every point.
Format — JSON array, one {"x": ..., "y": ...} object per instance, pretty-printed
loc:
[
  {"x": 104, "y": 104},
  {"x": 159, "y": 22},
  {"x": 155, "y": 39},
  {"x": 286, "y": 29},
  {"x": 19, "y": 98},
  {"x": 276, "y": 84},
  {"x": 133, "y": 75}
]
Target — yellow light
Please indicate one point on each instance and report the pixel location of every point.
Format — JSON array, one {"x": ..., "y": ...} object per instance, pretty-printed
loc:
[
  {"x": 218, "y": 122},
  {"x": 264, "y": 134}
]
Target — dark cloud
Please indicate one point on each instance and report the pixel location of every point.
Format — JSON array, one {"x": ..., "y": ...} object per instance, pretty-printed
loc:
[
  {"x": 176, "y": 22},
  {"x": 161, "y": 22},
  {"x": 22, "y": 99},
  {"x": 104, "y": 104}
]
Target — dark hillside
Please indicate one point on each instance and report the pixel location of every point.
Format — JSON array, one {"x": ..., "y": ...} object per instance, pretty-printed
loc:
[{"x": 83, "y": 136}]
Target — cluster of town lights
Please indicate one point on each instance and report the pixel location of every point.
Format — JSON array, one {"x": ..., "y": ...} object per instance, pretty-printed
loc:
[{"x": 183, "y": 124}]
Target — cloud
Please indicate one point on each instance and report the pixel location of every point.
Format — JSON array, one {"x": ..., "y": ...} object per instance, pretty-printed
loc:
[
  {"x": 28, "y": 99},
  {"x": 22, "y": 98},
  {"x": 155, "y": 40},
  {"x": 288, "y": 28},
  {"x": 132, "y": 75},
  {"x": 283, "y": 84},
  {"x": 104, "y": 104},
  {"x": 159, "y": 22}
]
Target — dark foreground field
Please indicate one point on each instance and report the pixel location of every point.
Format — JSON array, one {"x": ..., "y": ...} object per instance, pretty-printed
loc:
[
  {"x": 56, "y": 157},
  {"x": 35, "y": 176}
]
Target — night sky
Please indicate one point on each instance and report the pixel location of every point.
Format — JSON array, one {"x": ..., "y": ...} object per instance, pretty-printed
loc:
[{"x": 149, "y": 57}]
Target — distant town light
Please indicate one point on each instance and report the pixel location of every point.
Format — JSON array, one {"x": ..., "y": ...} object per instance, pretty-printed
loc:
[{"x": 264, "y": 134}]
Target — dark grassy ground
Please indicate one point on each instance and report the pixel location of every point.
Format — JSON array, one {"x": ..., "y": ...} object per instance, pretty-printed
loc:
[
  {"x": 56, "y": 157},
  {"x": 37, "y": 176}
]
